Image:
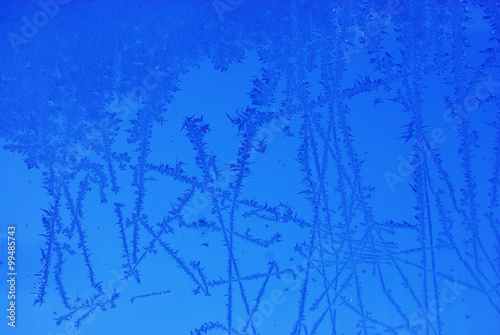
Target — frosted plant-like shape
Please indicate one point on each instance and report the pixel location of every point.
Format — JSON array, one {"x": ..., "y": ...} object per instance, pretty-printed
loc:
[{"x": 353, "y": 190}]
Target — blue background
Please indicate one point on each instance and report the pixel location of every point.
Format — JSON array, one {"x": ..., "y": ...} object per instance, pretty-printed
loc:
[{"x": 251, "y": 167}]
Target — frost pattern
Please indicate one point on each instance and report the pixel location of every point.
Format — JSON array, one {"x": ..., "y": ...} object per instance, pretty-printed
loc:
[{"x": 342, "y": 261}]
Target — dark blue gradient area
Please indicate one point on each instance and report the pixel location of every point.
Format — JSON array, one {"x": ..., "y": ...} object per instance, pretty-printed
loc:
[{"x": 238, "y": 167}]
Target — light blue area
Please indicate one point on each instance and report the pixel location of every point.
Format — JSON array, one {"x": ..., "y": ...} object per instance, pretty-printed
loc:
[{"x": 250, "y": 167}]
